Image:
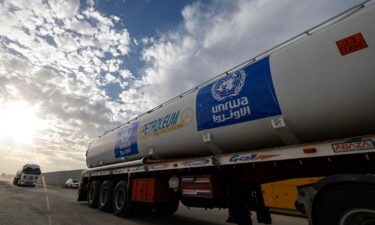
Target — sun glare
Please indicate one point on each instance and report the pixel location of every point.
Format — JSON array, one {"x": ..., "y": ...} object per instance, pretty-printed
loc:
[{"x": 18, "y": 122}]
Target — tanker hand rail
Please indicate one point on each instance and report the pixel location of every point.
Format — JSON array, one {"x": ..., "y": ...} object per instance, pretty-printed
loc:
[
  {"x": 308, "y": 32},
  {"x": 117, "y": 165}
]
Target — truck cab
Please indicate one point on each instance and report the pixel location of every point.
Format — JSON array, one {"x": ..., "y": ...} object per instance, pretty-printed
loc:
[{"x": 27, "y": 175}]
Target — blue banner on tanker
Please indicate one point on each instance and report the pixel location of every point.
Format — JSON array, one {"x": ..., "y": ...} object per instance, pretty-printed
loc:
[
  {"x": 245, "y": 95},
  {"x": 126, "y": 143}
]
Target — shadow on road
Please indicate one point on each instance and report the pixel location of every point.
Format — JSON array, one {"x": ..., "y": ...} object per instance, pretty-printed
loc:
[
  {"x": 176, "y": 219},
  {"x": 151, "y": 218}
]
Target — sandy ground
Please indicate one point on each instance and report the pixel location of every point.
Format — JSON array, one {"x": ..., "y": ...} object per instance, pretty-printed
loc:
[{"x": 58, "y": 206}]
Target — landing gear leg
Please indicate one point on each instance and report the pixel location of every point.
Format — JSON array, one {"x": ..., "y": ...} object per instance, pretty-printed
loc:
[
  {"x": 243, "y": 198},
  {"x": 239, "y": 212},
  {"x": 263, "y": 212}
]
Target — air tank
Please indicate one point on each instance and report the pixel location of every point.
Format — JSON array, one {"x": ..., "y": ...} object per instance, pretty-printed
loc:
[{"x": 319, "y": 87}]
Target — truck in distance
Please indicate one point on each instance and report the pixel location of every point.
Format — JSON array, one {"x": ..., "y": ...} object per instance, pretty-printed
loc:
[{"x": 27, "y": 175}]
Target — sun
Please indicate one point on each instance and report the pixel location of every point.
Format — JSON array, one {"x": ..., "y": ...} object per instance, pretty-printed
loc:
[{"x": 18, "y": 122}]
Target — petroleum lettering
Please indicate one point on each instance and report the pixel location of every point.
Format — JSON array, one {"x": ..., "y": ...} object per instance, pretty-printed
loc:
[{"x": 161, "y": 123}]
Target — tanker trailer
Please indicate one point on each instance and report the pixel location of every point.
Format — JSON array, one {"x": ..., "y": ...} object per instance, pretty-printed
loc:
[
  {"x": 302, "y": 109},
  {"x": 310, "y": 87},
  {"x": 27, "y": 175}
]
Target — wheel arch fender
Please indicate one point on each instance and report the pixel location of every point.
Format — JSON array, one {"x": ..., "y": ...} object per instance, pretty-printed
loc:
[{"x": 326, "y": 184}]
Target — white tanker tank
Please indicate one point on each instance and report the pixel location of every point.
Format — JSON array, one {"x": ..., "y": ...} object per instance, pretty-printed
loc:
[{"x": 319, "y": 87}]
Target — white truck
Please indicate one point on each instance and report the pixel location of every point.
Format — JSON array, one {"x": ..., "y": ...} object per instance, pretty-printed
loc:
[
  {"x": 27, "y": 175},
  {"x": 304, "y": 108}
]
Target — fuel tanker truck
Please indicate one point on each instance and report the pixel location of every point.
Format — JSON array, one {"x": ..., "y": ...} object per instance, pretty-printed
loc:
[
  {"x": 27, "y": 175},
  {"x": 304, "y": 108}
]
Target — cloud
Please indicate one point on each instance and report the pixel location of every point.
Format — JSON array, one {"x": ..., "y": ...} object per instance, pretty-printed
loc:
[
  {"x": 126, "y": 74},
  {"x": 217, "y": 36},
  {"x": 61, "y": 57},
  {"x": 64, "y": 9},
  {"x": 110, "y": 78},
  {"x": 147, "y": 40},
  {"x": 133, "y": 101}
]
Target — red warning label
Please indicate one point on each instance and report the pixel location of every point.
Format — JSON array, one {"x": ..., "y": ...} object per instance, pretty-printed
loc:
[{"x": 351, "y": 44}]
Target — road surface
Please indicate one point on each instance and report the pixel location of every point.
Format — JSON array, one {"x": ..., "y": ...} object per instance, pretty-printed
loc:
[{"x": 58, "y": 206}]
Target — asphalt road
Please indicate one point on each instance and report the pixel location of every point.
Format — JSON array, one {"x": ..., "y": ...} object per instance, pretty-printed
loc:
[{"x": 58, "y": 206}]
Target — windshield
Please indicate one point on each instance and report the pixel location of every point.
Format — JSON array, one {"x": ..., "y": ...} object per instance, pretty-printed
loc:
[{"x": 29, "y": 170}]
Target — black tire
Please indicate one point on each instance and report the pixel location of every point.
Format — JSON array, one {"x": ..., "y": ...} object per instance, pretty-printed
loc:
[
  {"x": 82, "y": 192},
  {"x": 350, "y": 204},
  {"x": 106, "y": 196},
  {"x": 122, "y": 204},
  {"x": 14, "y": 181},
  {"x": 93, "y": 194},
  {"x": 167, "y": 209}
]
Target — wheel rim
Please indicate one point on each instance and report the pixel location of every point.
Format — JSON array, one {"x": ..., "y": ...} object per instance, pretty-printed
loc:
[
  {"x": 358, "y": 217},
  {"x": 120, "y": 199},
  {"x": 103, "y": 196}
]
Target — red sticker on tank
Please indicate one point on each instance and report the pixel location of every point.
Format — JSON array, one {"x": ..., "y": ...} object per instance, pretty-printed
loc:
[{"x": 351, "y": 44}]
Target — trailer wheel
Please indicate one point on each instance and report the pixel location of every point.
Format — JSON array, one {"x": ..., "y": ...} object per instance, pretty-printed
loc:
[
  {"x": 93, "y": 194},
  {"x": 105, "y": 196},
  {"x": 167, "y": 209},
  {"x": 122, "y": 205},
  {"x": 346, "y": 205}
]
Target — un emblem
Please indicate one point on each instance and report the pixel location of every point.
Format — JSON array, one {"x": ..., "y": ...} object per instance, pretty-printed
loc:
[{"x": 229, "y": 86}]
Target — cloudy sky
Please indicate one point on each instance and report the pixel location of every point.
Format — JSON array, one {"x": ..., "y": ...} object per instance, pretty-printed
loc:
[{"x": 69, "y": 70}]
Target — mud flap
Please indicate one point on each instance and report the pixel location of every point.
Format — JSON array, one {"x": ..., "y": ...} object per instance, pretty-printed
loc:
[{"x": 83, "y": 188}]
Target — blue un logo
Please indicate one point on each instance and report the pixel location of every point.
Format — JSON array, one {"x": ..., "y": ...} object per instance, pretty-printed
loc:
[{"x": 229, "y": 86}]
